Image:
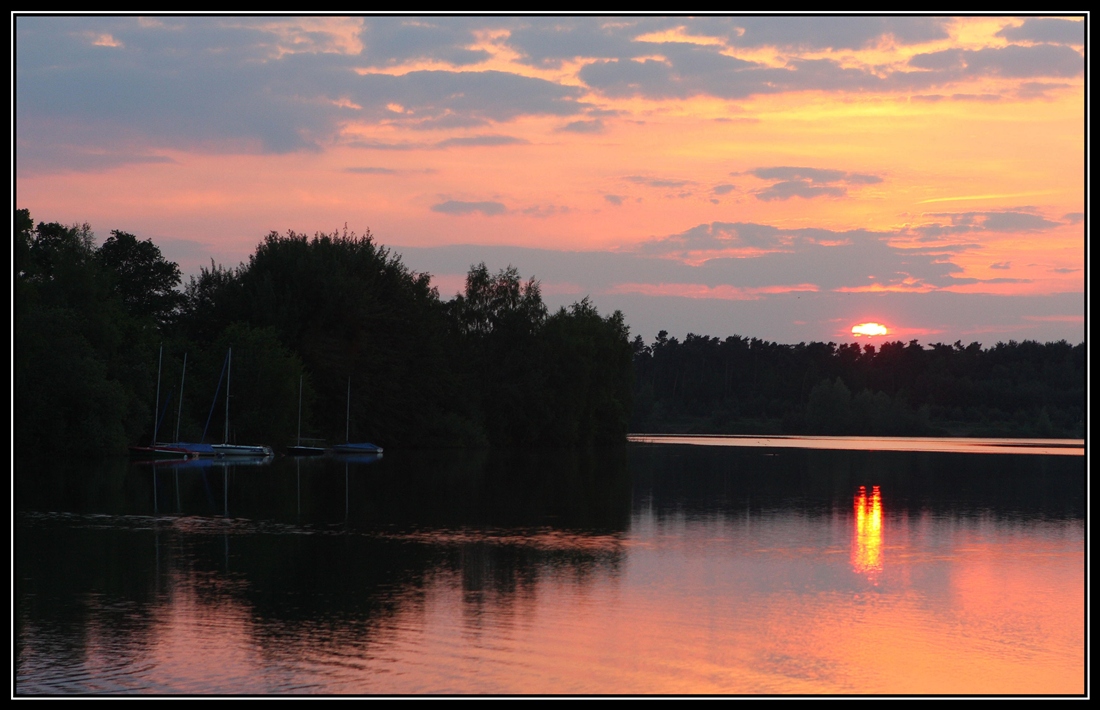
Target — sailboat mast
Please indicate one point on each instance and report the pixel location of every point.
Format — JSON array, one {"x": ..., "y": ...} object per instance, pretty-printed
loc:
[
  {"x": 156, "y": 408},
  {"x": 299, "y": 410},
  {"x": 347, "y": 429},
  {"x": 179, "y": 411},
  {"x": 228, "y": 369}
]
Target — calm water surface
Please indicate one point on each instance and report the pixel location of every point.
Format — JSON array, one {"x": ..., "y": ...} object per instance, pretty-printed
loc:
[{"x": 660, "y": 568}]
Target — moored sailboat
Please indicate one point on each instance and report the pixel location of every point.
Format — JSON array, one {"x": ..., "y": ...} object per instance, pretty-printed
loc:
[
  {"x": 298, "y": 449},
  {"x": 348, "y": 447},
  {"x": 157, "y": 450},
  {"x": 195, "y": 449},
  {"x": 225, "y": 448}
]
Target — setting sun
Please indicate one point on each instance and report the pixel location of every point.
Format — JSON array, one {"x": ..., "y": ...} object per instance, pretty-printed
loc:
[{"x": 869, "y": 329}]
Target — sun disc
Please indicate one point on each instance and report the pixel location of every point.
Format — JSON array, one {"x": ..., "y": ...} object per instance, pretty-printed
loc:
[{"x": 869, "y": 329}]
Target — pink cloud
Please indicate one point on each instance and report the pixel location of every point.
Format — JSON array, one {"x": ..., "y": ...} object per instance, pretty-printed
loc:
[
  {"x": 906, "y": 286},
  {"x": 1057, "y": 319},
  {"x": 721, "y": 292}
]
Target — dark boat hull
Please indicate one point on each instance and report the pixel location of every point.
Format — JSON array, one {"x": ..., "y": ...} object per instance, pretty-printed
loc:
[
  {"x": 161, "y": 452},
  {"x": 363, "y": 448}
]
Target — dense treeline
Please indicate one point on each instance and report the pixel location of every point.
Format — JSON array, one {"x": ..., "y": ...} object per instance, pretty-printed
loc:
[
  {"x": 742, "y": 385},
  {"x": 84, "y": 338},
  {"x": 490, "y": 367}
]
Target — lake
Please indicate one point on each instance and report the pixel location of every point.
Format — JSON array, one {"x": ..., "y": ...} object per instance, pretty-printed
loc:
[{"x": 658, "y": 568}]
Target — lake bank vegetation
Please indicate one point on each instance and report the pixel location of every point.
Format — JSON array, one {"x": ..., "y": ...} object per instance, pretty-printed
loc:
[{"x": 493, "y": 366}]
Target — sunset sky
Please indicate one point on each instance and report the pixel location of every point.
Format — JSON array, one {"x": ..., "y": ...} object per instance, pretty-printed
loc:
[{"x": 776, "y": 177}]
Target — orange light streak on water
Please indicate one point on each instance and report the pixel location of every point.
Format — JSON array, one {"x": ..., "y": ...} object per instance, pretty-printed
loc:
[
  {"x": 867, "y": 546},
  {"x": 956, "y": 445}
]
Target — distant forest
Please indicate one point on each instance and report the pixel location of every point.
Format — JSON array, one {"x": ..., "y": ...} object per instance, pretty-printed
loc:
[
  {"x": 750, "y": 386},
  {"x": 491, "y": 367}
]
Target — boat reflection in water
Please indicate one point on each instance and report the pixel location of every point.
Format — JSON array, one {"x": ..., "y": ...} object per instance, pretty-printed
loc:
[{"x": 867, "y": 545}]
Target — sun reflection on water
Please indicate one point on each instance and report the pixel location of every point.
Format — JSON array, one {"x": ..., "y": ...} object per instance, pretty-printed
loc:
[{"x": 867, "y": 546}]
